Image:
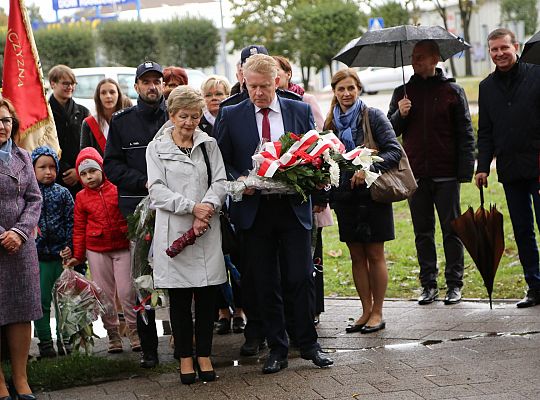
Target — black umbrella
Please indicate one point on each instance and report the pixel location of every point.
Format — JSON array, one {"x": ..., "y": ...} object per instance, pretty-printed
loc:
[
  {"x": 392, "y": 47},
  {"x": 482, "y": 235},
  {"x": 531, "y": 50}
]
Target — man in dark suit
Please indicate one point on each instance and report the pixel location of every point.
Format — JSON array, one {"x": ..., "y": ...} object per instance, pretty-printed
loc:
[{"x": 270, "y": 224}]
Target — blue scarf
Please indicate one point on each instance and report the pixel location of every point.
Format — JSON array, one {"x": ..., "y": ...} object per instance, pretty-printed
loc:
[
  {"x": 347, "y": 122},
  {"x": 5, "y": 151}
]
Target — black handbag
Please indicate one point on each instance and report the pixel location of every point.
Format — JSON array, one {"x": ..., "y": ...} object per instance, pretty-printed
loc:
[{"x": 229, "y": 242}]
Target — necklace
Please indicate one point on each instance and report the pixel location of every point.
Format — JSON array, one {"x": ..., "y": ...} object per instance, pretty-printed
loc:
[{"x": 186, "y": 150}]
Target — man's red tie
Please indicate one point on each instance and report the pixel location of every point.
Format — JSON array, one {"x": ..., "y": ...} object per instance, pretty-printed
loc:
[{"x": 265, "y": 125}]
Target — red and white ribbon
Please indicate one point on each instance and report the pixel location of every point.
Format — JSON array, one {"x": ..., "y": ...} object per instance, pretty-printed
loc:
[{"x": 270, "y": 158}]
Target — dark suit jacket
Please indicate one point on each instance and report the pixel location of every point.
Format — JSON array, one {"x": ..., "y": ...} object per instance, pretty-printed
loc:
[{"x": 238, "y": 139}]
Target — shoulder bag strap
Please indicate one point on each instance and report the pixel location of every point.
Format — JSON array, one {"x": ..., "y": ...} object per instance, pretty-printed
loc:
[
  {"x": 368, "y": 134},
  {"x": 207, "y": 162},
  {"x": 96, "y": 131}
]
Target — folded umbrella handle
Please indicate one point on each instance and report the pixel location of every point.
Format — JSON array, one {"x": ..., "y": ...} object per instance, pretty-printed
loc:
[{"x": 481, "y": 196}]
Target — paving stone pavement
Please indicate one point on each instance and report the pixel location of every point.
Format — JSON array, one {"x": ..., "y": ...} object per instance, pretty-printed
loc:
[{"x": 465, "y": 352}]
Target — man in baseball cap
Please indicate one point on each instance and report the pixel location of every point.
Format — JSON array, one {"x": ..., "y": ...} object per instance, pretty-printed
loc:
[
  {"x": 251, "y": 50},
  {"x": 148, "y": 66}
]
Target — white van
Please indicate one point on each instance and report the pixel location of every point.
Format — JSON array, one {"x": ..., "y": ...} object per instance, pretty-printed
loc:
[{"x": 88, "y": 78}]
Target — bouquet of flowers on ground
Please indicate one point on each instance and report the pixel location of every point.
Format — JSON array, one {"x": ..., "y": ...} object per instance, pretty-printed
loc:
[
  {"x": 79, "y": 302},
  {"x": 302, "y": 164},
  {"x": 141, "y": 232}
]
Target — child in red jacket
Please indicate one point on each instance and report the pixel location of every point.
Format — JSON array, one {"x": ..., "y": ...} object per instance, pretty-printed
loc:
[{"x": 99, "y": 234}]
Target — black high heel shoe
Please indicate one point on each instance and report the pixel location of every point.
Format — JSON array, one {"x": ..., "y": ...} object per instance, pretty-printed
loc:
[
  {"x": 205, "y": 376},
  {"x": 17, "y": 396},
  {"x": 189, "y": 378}
]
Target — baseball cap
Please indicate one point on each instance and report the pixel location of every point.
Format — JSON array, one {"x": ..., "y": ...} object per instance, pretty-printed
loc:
[
  {"x": 148, "y": 66},
  {"x": 251, "y": 50}
]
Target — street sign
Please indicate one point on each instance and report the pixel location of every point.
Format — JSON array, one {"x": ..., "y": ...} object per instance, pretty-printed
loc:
[
  {"x": 65, "y": 4},
  {"x": 376, "y": 24}
]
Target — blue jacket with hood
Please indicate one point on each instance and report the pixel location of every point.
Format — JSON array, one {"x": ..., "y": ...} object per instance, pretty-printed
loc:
[{"x": 55, "y": 225}]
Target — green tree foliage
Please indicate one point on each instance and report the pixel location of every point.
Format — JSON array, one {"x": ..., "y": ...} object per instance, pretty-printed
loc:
[
  {"x": 393, "y": 13},
  {"x": 33, "y": 13},
  {"x": 520, "y": 10},
  {"x": 3, "y": 17},
  {"x": 188, "y": 42},
  {"x": 70, "y": 45},
  {"x": 129, "y": 43},
  {"x": 321, "y": 29},
  {"x": 262, "y": 22}
]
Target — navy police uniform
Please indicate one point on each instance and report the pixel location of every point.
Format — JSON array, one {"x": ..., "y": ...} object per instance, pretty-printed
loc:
[{"x": 130, "y": 132}]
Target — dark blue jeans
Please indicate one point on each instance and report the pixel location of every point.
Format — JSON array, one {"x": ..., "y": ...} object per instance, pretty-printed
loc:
[{"x": 521, "y": 196}]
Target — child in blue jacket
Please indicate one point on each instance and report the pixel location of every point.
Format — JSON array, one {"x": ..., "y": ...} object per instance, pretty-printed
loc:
[{"x": 53, "y": 240}]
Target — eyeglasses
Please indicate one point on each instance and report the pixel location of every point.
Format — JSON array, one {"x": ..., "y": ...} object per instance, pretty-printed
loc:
[
  {"x": 7, "y": 121},
  {"x": 68, "y": 84}
]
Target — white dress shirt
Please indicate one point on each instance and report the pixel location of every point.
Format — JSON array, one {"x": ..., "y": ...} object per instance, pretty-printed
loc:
[{"x": 276, "y": 120}]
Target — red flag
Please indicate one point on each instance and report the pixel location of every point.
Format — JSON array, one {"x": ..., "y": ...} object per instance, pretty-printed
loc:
[{"x": 23, "y": 82}]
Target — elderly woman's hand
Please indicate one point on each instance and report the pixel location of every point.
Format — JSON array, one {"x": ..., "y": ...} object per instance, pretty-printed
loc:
[
  {"x": 203, "y": 211},
  {"x": 11, "y": 241},
  {"x": 200, "y": 227}
]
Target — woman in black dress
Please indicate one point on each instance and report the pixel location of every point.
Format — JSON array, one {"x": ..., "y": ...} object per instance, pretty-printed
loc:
[{"x": 363, "y": 223}]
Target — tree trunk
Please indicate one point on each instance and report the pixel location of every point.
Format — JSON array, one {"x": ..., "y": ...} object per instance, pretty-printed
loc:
[
  {"x": 465, "y": 11},
  {"x": 306, "y": 72},
  {"x": 443, "y": 14}
]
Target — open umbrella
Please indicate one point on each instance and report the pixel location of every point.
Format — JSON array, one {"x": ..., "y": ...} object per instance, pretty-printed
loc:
[
  {"x": 482, "y": 235},
  {"x": 531, "y": 50},
  {"x": 392, "y": 47}
]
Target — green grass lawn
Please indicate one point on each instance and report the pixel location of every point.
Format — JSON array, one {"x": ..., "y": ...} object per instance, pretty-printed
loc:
[
  {"x": 403, "y": 268},
  {"x": 470, "y": 85}
]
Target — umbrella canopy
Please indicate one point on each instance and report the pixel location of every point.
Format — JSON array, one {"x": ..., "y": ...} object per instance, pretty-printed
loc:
[
  {"x": 531, "y": 50},
  {"x": 392, "y": 47},
  {"x": 482, "y": 235}
]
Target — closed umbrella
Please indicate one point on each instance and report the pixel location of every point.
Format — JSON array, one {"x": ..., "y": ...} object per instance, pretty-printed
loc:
[{"x": 482, "y": 235}]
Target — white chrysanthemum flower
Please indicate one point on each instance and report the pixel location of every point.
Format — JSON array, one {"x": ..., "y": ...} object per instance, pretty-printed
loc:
[{"x": 334, "y": 172}]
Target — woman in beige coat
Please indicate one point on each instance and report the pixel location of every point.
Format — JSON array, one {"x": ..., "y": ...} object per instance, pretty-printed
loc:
[{"x": 178, "y": 184}]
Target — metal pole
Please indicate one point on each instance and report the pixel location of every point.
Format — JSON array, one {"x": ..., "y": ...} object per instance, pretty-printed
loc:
[{"x": 223, "y": 43}]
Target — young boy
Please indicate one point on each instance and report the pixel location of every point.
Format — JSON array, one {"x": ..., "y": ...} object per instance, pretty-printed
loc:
[
  {"x": 53, "y": 240},
  {"x": 99, "y": 234}
]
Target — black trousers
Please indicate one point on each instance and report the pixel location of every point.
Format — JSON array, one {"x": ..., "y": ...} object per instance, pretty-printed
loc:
[
  {"x": 182, "y": 320},
  {"x": 277, "y": 237},
  {"x": 147, "y": 332},
  {"x": 444, "y": 196},
  {"x": 522, "y": 197}
]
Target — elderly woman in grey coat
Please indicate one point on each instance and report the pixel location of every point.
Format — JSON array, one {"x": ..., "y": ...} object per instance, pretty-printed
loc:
[
  {"x": 20, "y": 205},
  {"x": 186, "y": 182}
]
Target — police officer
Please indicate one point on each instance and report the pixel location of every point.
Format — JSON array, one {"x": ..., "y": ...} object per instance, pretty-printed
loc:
[{"x": 130, "y": 132}]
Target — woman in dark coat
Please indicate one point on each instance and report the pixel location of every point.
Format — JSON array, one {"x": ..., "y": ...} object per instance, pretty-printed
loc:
[
  {"x": 20, "y": 202},
  {"x": 363, "y": 223}
]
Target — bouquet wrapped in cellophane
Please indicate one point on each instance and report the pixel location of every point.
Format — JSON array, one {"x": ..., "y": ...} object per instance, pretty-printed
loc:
[
  {"x": 302, "y": 164},
  {"x": 141, "y": 232},
  {"x": 79, "y": 302}
]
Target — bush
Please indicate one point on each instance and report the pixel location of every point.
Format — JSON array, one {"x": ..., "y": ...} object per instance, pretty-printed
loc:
[
  {"x": 129, "y": 43},
  {"x": 188, "y": 42},
  {"x": 70, "y": 45}
]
